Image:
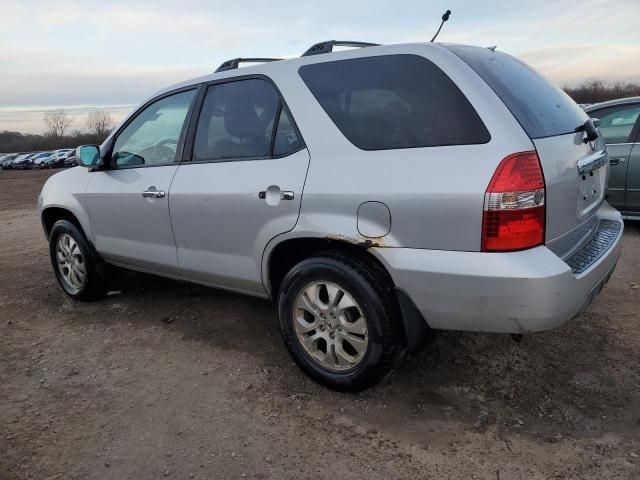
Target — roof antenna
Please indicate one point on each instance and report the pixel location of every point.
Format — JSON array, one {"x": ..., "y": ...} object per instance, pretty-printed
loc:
[{"x": 445, "y": 17}]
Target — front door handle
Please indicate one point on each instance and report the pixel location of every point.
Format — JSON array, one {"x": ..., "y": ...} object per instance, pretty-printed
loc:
[
  {"x": 151, "y": 192},
  {"x": 617, "y": 160},
  {"x": 287, "y": 195}
]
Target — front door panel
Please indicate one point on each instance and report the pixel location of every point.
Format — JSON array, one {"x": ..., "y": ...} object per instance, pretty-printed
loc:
[
  {"x": 619, "y": 163},
  {"x": 130, "y": 229},
  {"x": 633, "y": 181},
  {"x": 222, "y": 222}
]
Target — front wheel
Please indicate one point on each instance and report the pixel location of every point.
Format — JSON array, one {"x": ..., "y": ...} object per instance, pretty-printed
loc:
[
  {"x": 78, "y": 269},
  {"x": 340, "y": 321}
]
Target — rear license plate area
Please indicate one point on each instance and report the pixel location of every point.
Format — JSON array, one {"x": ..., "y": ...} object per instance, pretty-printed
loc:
[{"x": 591, "y": 190}]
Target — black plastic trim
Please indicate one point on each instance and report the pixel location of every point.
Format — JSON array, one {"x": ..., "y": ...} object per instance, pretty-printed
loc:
[
  {"x": 327, "y": 46},
  {"x": 234, "y": 63},
  {"x": 190, "y": 133},
  {"x": 604, "y": 237},
  {"x": 276, "y": 125}
]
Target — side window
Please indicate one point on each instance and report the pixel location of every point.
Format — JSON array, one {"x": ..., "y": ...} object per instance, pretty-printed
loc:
[
  {"x": 236, "y": 121},
  {"x": 394, "y": 101},
  {"x": 616, "y": 123},
  {"x": 152, "y": 137},
  {"x": 286, "y": 140}
]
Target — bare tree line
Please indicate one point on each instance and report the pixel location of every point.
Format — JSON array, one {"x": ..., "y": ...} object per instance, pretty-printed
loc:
[
  {"x": 594, "y": 91},
  {"x": 99, "y": 123},
  {"x": 59, "y": 134},
  {"x": 58, "y": 121}
]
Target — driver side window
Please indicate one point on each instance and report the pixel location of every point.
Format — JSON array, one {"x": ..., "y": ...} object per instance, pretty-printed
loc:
[
  {"x": 152, "y": 138},
  {"x": 616, "y": 123}
]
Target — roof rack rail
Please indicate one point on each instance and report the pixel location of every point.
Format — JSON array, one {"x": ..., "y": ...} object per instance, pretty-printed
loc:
[
  {"x": 234, "y": 62},
  {"x": 327, "y": 47}
]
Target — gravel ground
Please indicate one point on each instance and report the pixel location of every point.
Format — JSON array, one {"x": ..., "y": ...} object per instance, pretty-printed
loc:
[{"x": 172, "y": 380}]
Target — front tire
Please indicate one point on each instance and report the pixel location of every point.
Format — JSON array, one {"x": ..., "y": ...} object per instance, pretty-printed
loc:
[
  {"x": 340, "y": 321},
  {"x": 78, "y": 269}
]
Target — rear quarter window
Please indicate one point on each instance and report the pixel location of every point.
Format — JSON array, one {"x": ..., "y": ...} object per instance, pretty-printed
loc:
[
  {"x": 541, "y": 108},
  {"x": 394, "y": 101}
]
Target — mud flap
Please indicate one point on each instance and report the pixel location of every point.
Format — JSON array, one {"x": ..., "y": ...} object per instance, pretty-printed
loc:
[{"x": 418, "y": 334}]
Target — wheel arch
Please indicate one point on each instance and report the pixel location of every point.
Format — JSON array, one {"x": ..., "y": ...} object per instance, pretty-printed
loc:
[
  {"x": 283, "y": 255},
  {"x": 50, "y": 215}
]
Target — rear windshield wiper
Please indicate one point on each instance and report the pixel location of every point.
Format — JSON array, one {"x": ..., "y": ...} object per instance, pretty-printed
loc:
[{"x": 590, "y": 128}]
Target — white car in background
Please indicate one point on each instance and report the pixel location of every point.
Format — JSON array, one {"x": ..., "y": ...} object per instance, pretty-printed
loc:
[{"x": 41, "y": 159}]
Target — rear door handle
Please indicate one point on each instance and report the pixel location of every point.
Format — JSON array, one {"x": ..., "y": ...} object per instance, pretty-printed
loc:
[
  {"x": 153, "y": 193},
  {"x": 617, "y": 160},
  {"x": 284, "y": 195}
]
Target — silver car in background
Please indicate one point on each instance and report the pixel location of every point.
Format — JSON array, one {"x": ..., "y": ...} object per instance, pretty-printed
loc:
[
  {"x": 374, "y": 194},
  {"x": 23, "y": 162}
]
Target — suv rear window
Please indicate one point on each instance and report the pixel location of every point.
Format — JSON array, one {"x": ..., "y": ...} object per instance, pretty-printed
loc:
[
  {"x": 394, "y": 101},
  {"x": 539, "y": 106}
]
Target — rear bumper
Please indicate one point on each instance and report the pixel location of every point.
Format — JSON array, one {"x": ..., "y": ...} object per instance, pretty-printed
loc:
[{"x": 518, "y": 292}]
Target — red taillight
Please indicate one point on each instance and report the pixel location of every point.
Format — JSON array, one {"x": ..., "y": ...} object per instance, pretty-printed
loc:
[{"x": 514, "y": 215}]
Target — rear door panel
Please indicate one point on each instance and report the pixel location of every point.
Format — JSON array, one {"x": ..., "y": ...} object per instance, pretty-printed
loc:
[{"x": 222, "y": 225}]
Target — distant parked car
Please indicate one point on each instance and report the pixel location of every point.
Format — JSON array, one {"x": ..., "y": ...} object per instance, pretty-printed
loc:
[
  {"x": 40, "y": 160},
  {"x": 22, "y": 162},
  {"x": 70, "y": 161},
  {"x": 5, "y": 161},
  {"x": 27, "y": 162},
  {"x": 51, "y": 161},
  {"x": 620, "y": 127},
  {"x": 60, "y": 156}
]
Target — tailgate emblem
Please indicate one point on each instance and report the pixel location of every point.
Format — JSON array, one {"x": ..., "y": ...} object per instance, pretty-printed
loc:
[{"x": 592, "y": 162}]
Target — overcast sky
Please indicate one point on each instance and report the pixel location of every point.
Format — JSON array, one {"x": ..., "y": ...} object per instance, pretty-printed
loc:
[{"x": 81, "y": 54}]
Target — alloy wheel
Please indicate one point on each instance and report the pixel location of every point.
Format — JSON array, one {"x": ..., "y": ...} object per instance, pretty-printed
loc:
[
  {"x": 70, "y": 262},
  {"x": 330, "y": 326}
]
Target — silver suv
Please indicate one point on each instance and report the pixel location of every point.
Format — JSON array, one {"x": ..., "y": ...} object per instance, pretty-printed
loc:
[{"x": 374, "y": 194}]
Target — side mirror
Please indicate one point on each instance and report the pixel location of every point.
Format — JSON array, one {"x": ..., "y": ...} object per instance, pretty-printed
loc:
[{"x": 88, "y": 155}]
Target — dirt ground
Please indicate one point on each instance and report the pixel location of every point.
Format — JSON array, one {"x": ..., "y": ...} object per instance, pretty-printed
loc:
[{"x": 169, "y": 380}]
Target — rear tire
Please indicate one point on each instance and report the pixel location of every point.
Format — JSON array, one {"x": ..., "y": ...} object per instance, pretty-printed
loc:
[
  {"x": 346, "y": 341},
  {"x": 78, "y": 269}
]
